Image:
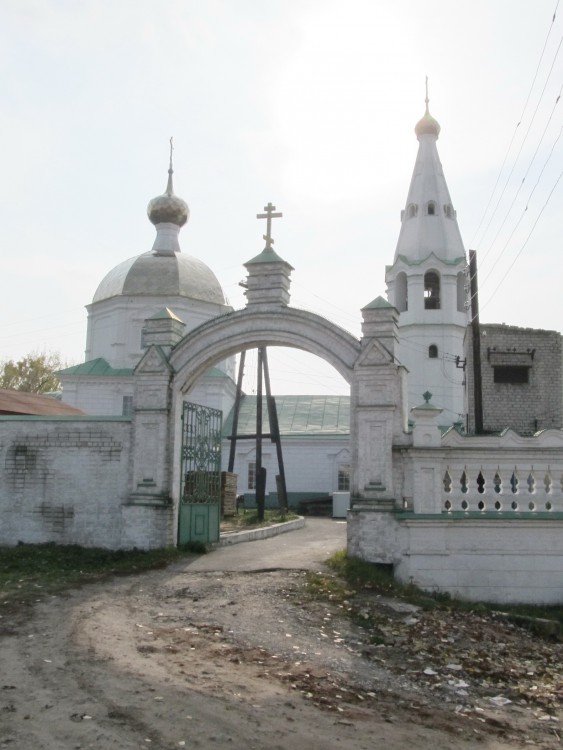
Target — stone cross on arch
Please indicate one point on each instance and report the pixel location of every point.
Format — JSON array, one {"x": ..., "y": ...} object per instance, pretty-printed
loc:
[{"x": 269, "y": 215}]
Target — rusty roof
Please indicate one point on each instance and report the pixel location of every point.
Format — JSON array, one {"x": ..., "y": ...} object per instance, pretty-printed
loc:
[{"x": 20, "y": 402}]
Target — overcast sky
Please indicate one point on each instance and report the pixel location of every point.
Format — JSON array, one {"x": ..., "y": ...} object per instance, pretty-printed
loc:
[{"x": 310, "y": 104}]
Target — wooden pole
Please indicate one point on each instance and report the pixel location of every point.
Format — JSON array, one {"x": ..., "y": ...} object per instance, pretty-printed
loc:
[
  {"x": 260, "y": 479},
  {"x": 275, "y": 437},
  {"x": 236, "y": 411}
]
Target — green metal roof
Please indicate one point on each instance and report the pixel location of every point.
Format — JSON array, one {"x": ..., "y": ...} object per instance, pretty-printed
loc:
[
  {"x": 96, "y": 367},
  {"x": 413, "y": 262},
  {"x": 166, "y": 314},
  {"x": 268, "y": 255},
  {"x": 379, "y": 303},
  {"x": 215, "y": 372},
  {"x": 298, "y": 416}
]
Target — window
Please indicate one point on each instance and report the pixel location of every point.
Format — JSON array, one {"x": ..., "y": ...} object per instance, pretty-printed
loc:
[
  {"x": 127, "y": 406},
  {"x": 433, "y": 351},
  {"x": 448, "y": 210},
  {"x": 401, "y": 292},
  {"x": 344, "y": 478},
  {"x": 431, "y": 208},
  {"x": 251, "y": 482},
  {"x": 511, "y": 374},
  {"x": 431, "y": 290},
  {"x": 412, "y": 210}
]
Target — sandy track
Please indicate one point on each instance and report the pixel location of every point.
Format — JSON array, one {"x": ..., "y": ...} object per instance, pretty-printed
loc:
[{"x": 180, "y": 658}]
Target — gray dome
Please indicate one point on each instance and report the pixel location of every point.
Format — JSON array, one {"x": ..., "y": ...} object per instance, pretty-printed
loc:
[
  {"x": 166, "y": 275},
  {"x": 168, "y": 208}
]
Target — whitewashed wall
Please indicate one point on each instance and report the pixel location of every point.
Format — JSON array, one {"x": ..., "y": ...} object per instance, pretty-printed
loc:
[
  {"x": 465, "y": 526},
  {"x": 311, "y": 463},
  {"x": 66, "y": 480}
]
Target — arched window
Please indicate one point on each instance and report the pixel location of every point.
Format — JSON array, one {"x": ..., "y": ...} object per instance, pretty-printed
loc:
[
  {"x": 401, "y": 292},
  {"x": 431, "y": 208},
  {"x": 433, "y": 351},
  {"x": 431, "y": 290},
  {"x": 412, "y": 210},
  {"x": 449, "y": 210}
]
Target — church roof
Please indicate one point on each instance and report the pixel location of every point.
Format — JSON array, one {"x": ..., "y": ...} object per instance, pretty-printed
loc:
[
  {"x": 164, "y": 270},
  {"x": 428, "y": 222},
  {"x": 163, "y": 275},
  {"x": 268, "y": 255},
  {"x": 97, "y": 367},
  {"x": 379, "y": 303},
  {"x": 298, "y": 416}
]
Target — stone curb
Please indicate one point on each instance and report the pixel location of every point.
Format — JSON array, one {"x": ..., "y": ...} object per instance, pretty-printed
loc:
[{"x": 252, "y": 535}]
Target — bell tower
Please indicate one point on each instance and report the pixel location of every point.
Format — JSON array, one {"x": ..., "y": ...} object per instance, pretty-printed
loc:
[{"x": 426, "y": 282}]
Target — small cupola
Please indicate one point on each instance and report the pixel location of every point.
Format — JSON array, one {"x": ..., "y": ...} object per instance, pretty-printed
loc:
[
  {"x": 168, "y": 213},
  {"x": 267, "y": 283}
]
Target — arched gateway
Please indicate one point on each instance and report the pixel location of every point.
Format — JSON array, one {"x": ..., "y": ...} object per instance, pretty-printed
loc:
[{"x": 173, "y": 363}]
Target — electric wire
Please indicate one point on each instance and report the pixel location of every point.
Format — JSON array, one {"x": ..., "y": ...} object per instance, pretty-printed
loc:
[
  {"x": 474, "y": 239},
  {"x": 521, "y": 146},
  {"x": 521, "y": 185},
  {"x": 525, "y": 242},
  {"x": 523, "y": 214}
]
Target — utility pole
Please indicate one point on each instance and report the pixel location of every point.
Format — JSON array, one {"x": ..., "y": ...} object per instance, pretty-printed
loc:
[{"x": 476, "y": 340}]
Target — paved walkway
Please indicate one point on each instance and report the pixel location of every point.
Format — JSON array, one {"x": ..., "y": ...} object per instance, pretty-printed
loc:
[{"x": 304, "y": 548}]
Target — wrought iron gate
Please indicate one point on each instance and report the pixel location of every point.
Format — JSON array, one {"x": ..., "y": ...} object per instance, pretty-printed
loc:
[{"x": 200, "y": 488}]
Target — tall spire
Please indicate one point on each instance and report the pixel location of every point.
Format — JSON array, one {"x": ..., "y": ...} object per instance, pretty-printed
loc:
[
  {"x": 426, "y": 281},
  {"x": 428, "y": 222}
]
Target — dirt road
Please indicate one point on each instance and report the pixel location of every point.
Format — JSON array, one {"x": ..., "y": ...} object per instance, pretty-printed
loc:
[{"x": 224, "y": 650}]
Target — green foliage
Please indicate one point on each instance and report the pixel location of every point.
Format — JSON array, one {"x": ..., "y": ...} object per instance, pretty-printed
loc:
[
  {"x": 327, "y": 588},
  {"x": 250, "y": 518},
  {"x": 362, "y": 576},
  {"x": 29, "y": 571},
  {"x": 32, "y": 374}
]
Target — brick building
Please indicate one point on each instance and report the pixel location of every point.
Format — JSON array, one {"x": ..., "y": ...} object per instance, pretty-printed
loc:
[{"x": 522, "y": 380}]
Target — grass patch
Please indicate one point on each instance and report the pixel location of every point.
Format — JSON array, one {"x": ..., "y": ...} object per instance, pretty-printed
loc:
[
  {"x": 361, "y": 576},
  {"x": 30, "y": 571},
  {"x": 249, "y": 519}
]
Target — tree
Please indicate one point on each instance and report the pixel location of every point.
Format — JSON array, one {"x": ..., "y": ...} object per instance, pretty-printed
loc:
[{"x": 35, "y": 373}]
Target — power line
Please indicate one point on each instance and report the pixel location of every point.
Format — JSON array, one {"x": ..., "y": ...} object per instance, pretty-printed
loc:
[
  {"x": 474, "y": 239},
  {"x": 526, "y": 240},
  {"x": 488, "y": 276}
]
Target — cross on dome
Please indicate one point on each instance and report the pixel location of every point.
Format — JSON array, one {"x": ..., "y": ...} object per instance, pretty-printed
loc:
[
  {"x": 169, "y": 186},
  {"x": 427, "y": 125},
  {"x": 269, "y": 215}
]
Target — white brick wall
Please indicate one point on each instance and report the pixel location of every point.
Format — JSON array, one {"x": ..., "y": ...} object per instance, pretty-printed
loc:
[{"x": 66, "y": 480}]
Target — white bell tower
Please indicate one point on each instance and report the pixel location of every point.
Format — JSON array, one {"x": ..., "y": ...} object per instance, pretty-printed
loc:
[{"x": 426, "y": 282}]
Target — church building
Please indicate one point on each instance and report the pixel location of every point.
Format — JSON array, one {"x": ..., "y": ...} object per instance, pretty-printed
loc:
[
  {"x": 164, "y": 284},
  {"x": 178, "y": 292}
]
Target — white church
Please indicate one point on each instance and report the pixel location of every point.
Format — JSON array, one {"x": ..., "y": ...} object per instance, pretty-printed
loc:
[
  {"x": 476, "y": 514},
  {"x": 426, "y": 284}
]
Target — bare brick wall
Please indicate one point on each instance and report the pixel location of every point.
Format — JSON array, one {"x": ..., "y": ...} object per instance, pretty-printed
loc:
[
  {"x": 525, "y": 407},
  {"x": 63, "y": 480}
]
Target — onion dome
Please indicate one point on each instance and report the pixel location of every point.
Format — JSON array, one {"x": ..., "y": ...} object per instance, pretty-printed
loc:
[
  {"x": 427, "y": 125},
  {"x": 168, "y": 208}
]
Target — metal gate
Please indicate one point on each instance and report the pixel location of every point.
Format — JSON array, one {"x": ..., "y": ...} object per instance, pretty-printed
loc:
[{"x": 200, "y": 488}]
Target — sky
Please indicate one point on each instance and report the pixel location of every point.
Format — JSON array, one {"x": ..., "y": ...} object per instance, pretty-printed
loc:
[{"x": 309, "y": 104}]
